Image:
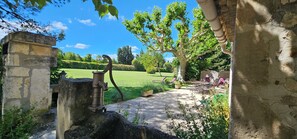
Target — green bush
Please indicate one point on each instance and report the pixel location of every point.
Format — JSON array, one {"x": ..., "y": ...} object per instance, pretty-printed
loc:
[
  {"x": 137, "y": 65},
  {"x": 151, "y": 70},
  {"x": 94, "y": 65},
  {"x": 209, "y": 120},
  {"x": 17, "y": 124},
  {"x": 155, "y": 87},
  {"x": 168, "y": 67}
]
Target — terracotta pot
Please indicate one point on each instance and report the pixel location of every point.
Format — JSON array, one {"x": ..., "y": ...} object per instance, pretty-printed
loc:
[
  {"x": 177, "y": 86},
  {"x": 147, "y": 93}
]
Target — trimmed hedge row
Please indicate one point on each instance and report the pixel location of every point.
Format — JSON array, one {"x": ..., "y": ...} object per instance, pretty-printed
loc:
[{"x": 94, "y": 65}]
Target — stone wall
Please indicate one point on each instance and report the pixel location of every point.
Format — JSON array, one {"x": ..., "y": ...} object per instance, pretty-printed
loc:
[
  {"x": 73, "y": 102},
  {"x": 26, "y": 78},
  {"x": 264, "y": 80}
]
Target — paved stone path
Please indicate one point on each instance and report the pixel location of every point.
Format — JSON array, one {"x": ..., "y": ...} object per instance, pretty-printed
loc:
[{"x": 151, "y": 110}]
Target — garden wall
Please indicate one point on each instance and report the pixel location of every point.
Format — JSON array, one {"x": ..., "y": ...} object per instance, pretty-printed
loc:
[
  {"x": 264, "y": 80},
  {"x": 26, "y": 78}
]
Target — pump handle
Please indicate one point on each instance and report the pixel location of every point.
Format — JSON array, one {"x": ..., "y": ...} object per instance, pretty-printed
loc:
[{"x": 109, "y": 68}]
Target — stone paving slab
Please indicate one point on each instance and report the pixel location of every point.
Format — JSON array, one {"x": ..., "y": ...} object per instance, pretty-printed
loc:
[{"x": 152, "y": 109}]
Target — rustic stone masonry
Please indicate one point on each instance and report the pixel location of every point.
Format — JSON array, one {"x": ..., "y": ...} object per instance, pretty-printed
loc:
[
  {"x": 26, "y": 77},
  {"x": 264, "y": 87}
]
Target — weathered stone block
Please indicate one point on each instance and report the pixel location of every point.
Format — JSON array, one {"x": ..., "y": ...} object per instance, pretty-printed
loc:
[
  {"x": 39, "y": 89},
  {"x": 17, "y": 71},
  {"x": 36, "y": 61},
  {"x": 12, "y": 87},
  {"x": 12, "y": 60},
  {"x": 26, "y": 87},
  {"x": 40, "y": 50},
  {"x": 17, "y": 47},
  {"x": 291, "y": 85},
  {"x": 73, "y": 102},
  {"x": 28, "y": 37},
  {"x": 10, "y": 103},
  {"x": 284, "y": 2}
]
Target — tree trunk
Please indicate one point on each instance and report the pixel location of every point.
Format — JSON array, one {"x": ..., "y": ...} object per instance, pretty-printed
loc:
[{"x": 181, "y": 74}]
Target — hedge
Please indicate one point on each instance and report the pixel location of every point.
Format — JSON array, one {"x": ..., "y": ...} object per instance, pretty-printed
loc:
[{"x": 94, "y": 65}]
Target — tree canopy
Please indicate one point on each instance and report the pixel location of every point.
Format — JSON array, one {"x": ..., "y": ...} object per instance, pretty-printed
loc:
[
  {"x": 155, "y": 32},
  {"x": 125, "y": 55}
]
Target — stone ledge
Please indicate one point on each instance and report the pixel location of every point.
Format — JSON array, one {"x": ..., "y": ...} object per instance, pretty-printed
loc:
[
  {"x": 111, "y": 125},
  {"x": 28, "y": 37}
]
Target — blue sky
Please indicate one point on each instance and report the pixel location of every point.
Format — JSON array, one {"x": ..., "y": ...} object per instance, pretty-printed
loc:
[{"x": 87, "y": 33}]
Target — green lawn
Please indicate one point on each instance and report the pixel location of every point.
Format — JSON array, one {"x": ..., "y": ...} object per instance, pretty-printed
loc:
[{"x": 130, "y": 82}]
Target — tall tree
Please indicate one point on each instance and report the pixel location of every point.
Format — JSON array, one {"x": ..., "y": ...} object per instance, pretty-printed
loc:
[
  {"x": 78, "y": 57},
  {"x": 88, "y": 58},
  {"x": 69, "y": 56},
  {"x": 155, "y": 32},
  {"x": 125, "y": 55}
]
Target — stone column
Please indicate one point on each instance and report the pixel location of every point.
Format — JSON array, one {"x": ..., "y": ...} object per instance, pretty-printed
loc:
[
  {"x": 26, "y": 78},
  {"x": 73, "y": 102},
  {"x": 264, "y": 87}
]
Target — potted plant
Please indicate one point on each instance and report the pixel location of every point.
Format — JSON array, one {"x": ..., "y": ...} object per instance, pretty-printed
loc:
[
  {"x": 146, "y": 92},
  {"x": 177, "y": 84}
]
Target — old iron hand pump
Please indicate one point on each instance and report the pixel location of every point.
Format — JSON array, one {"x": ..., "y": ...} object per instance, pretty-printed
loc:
[{"x": 99, "y": 86}]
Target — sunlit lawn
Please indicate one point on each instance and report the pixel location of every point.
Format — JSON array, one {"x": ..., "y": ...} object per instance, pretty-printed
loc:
[{"x": 130, "y": 82}]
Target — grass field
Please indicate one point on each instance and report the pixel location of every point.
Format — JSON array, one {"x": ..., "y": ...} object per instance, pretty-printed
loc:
[{"x": 130, "y": 82}]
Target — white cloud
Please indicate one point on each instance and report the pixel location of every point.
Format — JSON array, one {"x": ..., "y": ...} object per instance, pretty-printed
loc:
[
  {"x": 59, "y": 25},
  {"x": 2, "y": 34},
  {"x": 113, "y": 56},
  {"x": 68, "y": 46},
  {"x": 81, "y": 46},
  {"x": 87, "y": 22},
  {"x": 110, "y": 17},
  {"x": 69, "y": 20},
  {"x": 94, "y": 56},
  {"x": 61, "y": 48},
  {"x": 170, "y": 59},
  {"x": 134, "y": 48},
  {"x": 113, "y": 18}
]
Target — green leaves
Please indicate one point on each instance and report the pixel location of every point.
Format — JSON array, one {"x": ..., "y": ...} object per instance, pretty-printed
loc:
[
  {"x": 105, "y": 7},
  {"x": 102, "y": 6},
  {"x": 102, "y": 10},
  {"x": 113, "y": 10}
]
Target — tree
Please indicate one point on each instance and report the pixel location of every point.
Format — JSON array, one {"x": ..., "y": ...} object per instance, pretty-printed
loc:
[
  {"x": 88, "y": 58},
  {"x": 159, "y": 61},
  {"x": 69, "y": 56},
  {"x": 155, "y": 32},
  {"x": 152, "y": 59},
  {"x": 125, "y": 55},
  {"x": 78, "y": 57},
  {"x": 19, "y": 11}
]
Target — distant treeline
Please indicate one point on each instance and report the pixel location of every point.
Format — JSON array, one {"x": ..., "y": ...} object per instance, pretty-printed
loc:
[{"x": 99, "y": 66}]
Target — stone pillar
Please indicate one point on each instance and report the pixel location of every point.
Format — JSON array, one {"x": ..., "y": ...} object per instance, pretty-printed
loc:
[
  {"x": 264, "y": 87},
  {"x": 73, "y": 102},
  {"x": 26, "y": 78}
]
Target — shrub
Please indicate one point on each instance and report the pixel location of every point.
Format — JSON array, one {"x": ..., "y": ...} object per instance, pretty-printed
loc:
[
  {"x": 168, "y": 67},
  {"x": 156, "y": 87},
  {"x": 17, "y": 124},
  {"x": 94, "y": 65},
  {"x": 151, "y": 70},
  {"x": 137, "y": 65},
  {"x": 208, "y": 120}
]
